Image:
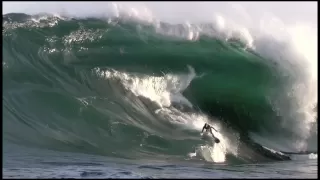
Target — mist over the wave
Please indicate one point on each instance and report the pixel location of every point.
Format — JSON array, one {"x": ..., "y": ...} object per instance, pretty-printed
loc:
[{"x": 180, "y": 11}]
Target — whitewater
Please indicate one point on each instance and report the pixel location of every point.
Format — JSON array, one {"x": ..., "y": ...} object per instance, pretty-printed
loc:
[{"x": 123, "y": 90}]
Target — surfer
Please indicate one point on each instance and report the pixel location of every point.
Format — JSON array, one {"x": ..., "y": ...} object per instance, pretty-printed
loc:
[{"x": 207, "y": 127}]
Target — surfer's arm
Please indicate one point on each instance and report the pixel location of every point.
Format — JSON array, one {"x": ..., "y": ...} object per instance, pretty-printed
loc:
[{"x": 214, "y": 129}]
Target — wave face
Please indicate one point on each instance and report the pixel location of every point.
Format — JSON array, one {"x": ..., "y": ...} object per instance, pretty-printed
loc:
[{"x": 129, "y": 88}]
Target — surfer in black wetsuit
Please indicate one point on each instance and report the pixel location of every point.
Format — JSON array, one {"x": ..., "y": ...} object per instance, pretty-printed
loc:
[{"x": 207, "y": 127}]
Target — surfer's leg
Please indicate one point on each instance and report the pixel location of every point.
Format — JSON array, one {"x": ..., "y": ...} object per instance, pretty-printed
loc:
[{"x": 212, "y": 135}]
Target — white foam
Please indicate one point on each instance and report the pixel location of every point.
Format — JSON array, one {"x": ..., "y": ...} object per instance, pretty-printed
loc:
[
  {"x": 82, "y": 35},
  {"x": 162, "y": 90},
  {"x": 304, "y": 156},
  {"x": 294, "y": 49},
  {"x": 213, "y": 153},
  {"x": 313, "y": 156}
]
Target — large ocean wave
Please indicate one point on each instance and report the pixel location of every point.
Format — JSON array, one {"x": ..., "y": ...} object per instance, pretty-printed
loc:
[{"x": 141, "y": 88}]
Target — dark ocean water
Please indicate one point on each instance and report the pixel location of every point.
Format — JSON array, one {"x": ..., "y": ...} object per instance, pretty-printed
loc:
[
  {"x": 39, "y": 163},
  {"x": 121, "y": 98}
]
